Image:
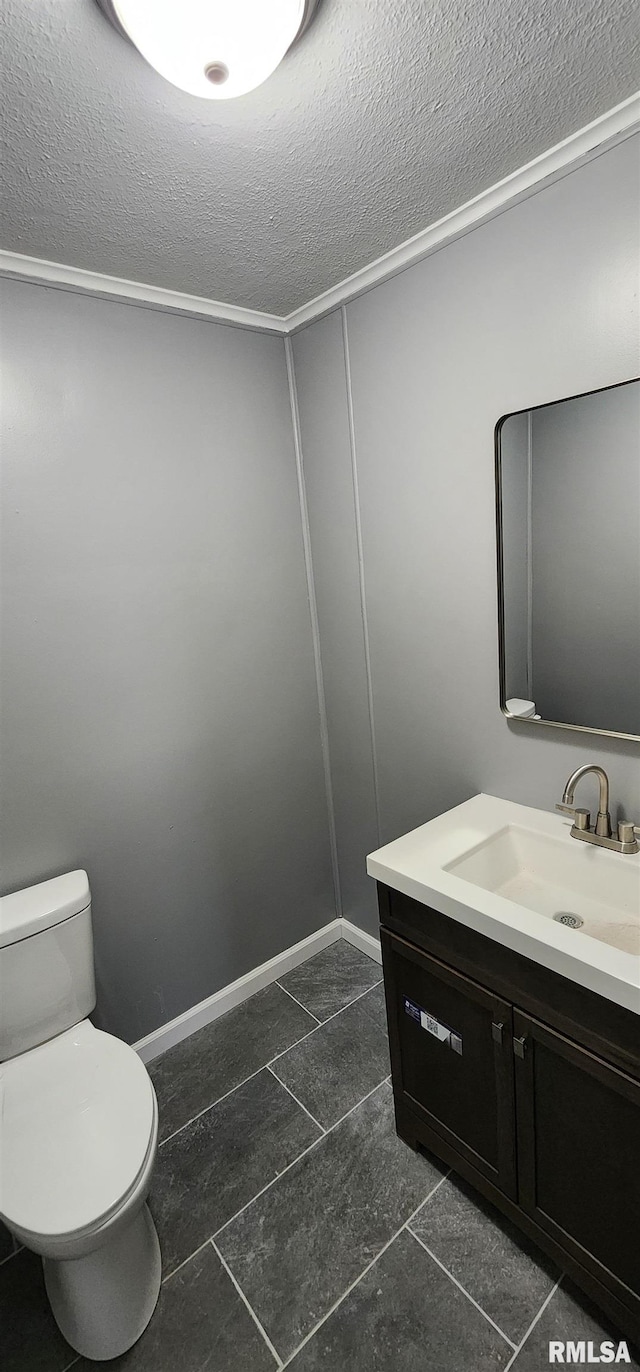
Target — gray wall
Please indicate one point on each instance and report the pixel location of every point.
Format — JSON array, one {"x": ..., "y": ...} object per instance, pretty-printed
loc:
[
  {"x": 585, "y": 550},
  {"x": 160, "y": 715},
  {"x": 538, "y": 303},
  {"x": 329, "y": 482}
]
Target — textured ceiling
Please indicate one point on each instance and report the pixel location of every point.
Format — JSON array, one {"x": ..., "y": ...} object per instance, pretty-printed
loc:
[{"x": 389, "y": 114}]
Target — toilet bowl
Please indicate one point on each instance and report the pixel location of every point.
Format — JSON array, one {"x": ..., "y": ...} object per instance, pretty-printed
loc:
[{"x": 78, "y": 1137}]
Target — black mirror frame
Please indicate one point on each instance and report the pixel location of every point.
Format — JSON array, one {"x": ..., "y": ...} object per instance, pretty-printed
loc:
[{"x": 520, "y": 719}]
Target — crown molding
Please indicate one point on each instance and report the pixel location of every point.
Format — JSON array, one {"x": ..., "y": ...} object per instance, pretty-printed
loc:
[
  {"x": 77, "y": 279},
  {"x": 603, "y": 133}
]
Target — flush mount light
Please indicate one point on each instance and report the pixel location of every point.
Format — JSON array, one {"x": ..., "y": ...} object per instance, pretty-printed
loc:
[{"x": 213, "y": 48}]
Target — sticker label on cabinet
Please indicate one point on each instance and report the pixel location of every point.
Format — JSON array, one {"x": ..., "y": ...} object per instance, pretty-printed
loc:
[{"x": 434, "y": 1026}]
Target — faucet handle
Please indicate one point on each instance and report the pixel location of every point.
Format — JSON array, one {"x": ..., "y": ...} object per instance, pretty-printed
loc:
[
  {"x": 581, "y": 818},
  {"x": 627, "y": 830}
]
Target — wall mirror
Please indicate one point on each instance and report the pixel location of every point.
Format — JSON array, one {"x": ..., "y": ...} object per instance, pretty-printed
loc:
[{"x": 568, "y": 520}]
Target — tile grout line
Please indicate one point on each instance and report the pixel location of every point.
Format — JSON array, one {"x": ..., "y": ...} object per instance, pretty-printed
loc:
[
  {"x": 265, "y": 1066},
  {"x": 321, "y": 1023},
  {"x": 406, "y": 1226},
  {"x": 298, "y": 1102},
  {"x": 349, "y": 1003},
  {"x": 184, "y": 1262},
  {"x": 246, "y": 1302},
  {"x": 532, "y": 1325},
  {"x": 366, "y": 1269},
  {"x": 218, "y": 1101},
  {"x": 269, "y": 1184},
  {"x": 462, "y": 1288},
  {"x": 298, "y": 1002},
  {"x": 295, "y": 1161}
]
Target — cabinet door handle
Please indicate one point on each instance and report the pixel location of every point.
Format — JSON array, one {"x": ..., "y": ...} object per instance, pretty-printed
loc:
[
  {"x": 520, "y": 1046},
  {"x": 496, "y": 1031}
]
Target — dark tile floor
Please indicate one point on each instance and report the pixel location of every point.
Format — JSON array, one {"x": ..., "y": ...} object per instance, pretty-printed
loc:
[{"x": 296, "y": 1229}]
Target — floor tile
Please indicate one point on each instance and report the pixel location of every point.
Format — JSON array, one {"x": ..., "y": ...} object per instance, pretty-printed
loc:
[
  {"x": 336, "y": 1066},
  {"x": 405, "y": 1315},
  {"x": 374, "y": 1005},
  {"x": 195, "y": 1073},
  {"x": 503, "y": 1271},
  {"x": 31, "y": 1340},
  {"x": 220, "y": 1161},
  {"x": 332, "y": 978},
  {"x": 200, "y": 1322},
  {"x": 569, "y": 1316},
  {"x": 298, "y": 1247}
]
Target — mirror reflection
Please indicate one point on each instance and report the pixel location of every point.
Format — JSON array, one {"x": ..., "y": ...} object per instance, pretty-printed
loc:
[{"x": 568, "y": 487}]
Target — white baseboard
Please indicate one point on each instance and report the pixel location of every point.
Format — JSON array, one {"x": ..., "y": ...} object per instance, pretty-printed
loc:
[
  {"x": 168, "y": 1035},
  {"x": 229, "y": 996},
  {"x": 365, "y": 942}
]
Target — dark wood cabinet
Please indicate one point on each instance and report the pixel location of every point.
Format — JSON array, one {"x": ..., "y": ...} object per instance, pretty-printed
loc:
[
  {"x": 578, "y": 1130},
  {"x": 540, "y": 1111},
  {"x": 465, "y": 1093}
]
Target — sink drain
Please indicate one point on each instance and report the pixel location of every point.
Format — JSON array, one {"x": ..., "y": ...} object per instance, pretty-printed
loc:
[{"x": 571, "y": 921}]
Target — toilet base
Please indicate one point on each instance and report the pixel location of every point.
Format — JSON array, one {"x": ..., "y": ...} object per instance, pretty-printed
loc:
[{"x": 103, "y": 1302}]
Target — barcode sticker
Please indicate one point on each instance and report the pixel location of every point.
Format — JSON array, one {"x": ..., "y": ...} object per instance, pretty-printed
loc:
[
  {"x": 442, "y": 1032},
  {"x": 433, "y": 1026}
]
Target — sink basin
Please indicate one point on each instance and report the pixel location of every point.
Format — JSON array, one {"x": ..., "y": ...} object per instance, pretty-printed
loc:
[
  {"x": 601, "y": 898},
  {"x": 515, "y": 874}
]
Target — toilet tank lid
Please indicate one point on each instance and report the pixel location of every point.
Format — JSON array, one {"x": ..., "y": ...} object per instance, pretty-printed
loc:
[{"x": 40, "y": 907}]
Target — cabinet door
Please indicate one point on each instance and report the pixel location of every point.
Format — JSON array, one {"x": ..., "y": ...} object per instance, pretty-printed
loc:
[
  {"x": 579, "y": 1152},
  {"x": 452, "y": 1058}
]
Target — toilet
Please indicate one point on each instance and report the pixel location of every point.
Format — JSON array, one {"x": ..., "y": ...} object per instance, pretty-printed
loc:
[{"x": 78, "y": 1125}]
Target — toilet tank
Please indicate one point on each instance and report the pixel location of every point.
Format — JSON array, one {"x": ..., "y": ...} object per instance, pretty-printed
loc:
[{"x": 46, "y": 962}]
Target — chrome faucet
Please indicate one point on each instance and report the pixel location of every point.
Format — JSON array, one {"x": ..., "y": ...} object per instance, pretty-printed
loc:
[{"x": 625, "y": 842}]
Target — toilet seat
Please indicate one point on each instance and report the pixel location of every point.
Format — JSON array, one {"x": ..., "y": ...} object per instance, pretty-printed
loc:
[{"x": 78, "y": 1125}]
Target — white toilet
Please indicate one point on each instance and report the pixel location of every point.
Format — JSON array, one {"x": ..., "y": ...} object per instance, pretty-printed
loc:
[{"x": 78, "y": 1125}]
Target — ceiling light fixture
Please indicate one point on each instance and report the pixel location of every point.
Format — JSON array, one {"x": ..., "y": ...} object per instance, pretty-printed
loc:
[{"x": 213, "y": 48}]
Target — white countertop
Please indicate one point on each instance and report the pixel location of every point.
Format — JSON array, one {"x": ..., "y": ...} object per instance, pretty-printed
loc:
[{"x": 416, "y": 865}]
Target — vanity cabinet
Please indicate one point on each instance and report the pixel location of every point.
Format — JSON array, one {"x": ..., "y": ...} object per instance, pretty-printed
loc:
[
  {"x": 578, "y": 1147},
  {"x": 465, "y": 1092},
  {"x": 527, "y": 1085}
]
